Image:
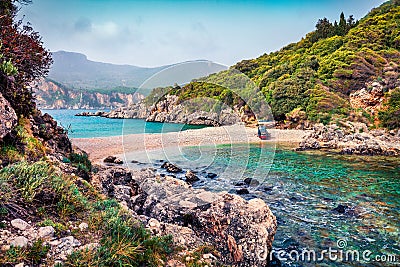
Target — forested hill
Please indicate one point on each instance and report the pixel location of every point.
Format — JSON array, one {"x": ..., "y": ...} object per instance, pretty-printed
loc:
[
  {"x": 337, "y": 62},
  {"x": 345, "y": 70}
]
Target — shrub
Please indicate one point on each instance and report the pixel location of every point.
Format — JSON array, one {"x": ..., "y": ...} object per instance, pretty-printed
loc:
[
  {"x": 124, "y": 242},
  {"x": 390, "y": 116},
  {"x": 32, "y": 255},
  {"x": 81, "y": 161}
]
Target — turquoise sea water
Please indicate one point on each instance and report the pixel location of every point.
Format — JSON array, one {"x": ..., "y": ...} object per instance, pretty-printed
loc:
[
  {"x": 88, "y": 127},
  {"x": 301, "y": 188}
]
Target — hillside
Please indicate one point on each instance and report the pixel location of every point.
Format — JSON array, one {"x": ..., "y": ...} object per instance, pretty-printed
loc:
[{"x": 341, "y": 71}]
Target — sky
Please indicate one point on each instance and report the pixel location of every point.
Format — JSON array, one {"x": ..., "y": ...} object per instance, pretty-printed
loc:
[{"x": 154, "y": 33}]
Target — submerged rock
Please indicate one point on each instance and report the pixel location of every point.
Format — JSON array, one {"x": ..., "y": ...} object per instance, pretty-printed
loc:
[
  {"x": 242, "y": 191},
  {"x": 171, "y": 167},
  {"x": 211, "y": 175},
  {"x": 341, "y": 209},
  {"x": 191, "y": 177}
]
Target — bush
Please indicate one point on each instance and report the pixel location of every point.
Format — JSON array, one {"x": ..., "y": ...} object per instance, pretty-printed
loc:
[
  {"x": 81, "y": 161},
  {"x": 124, "y": 242},
  {"x": 32, "y": 255},
  {"x": 390, "y": 116}
]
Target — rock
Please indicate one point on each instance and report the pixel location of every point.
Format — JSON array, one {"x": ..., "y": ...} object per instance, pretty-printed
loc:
[
  {"x": 69, "y": 242},
  {"x": 195, "y": 216},
  {"x": 354, "y": 139},
  {"x": 19, "y": 224},
  {"x": 341, "y": 209},
  {"x": 113, "y": 160},
  {"x": 122, "y": 192},
  {"x": 110, "y": 159},
  {"x": 242, "y": 191},
  {"x": 268, "y": 188},
  {"x": 211, "y": 175},
  {"x": 251, "y": 182},
  {"x": 19, "y": 241},
  {"x": 8, "y": 117},
  {"x": 46, "y": 232},
  {"x": 191, "y": 177},
  {"x": 118, "y": 161},
  {"x": 83, "y": 226},
  {"x": 235, "y": 250},
  {"x": 171, "y": 167}
]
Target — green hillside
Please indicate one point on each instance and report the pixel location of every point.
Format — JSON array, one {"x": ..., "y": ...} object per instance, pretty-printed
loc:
[{"x": 316, "y": 75}]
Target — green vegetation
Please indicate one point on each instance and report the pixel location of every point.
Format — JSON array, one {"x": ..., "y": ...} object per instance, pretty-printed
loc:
[
  {"x": 32, "y": 255},
  {"x": 58, "y": 199},
  {"x": 124, "y": 241},
  {"x": 316, "y": 74},
  {"x": 390, "y": 116},
  {"x": 80, "y": 161}
]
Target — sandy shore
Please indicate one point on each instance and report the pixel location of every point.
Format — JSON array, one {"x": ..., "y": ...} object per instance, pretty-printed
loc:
[{"x": 99, "y": 148}]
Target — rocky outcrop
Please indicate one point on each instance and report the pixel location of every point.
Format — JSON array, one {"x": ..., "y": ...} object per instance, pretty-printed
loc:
[
  {"x": 169, "y": 110},
  {"x": 8, "y": 118},
  {"x": 46, "y": 129},
  {"x": 52, "y": 95},
  {"x": 369, "y": 99},
  {"x": 352, "y": 138},
  {"x": 239, "y": 229}
]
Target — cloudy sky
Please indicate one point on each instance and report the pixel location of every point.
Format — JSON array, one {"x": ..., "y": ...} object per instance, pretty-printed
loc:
[{"x": 154, "y": 33}]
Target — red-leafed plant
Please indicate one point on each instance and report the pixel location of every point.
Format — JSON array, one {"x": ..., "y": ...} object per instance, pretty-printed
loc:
[{"x": 22, "y": 46}]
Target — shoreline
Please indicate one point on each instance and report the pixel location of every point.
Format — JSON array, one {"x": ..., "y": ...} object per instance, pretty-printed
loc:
[{"x": 99, "y": 148}]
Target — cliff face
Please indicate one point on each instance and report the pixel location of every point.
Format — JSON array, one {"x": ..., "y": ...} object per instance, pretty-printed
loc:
[{"x": 51, "y": 95}]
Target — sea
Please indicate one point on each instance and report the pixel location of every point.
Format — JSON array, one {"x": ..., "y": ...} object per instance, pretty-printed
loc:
[
  {"x": 89, "y": 127},
  {"x": 348, "y": 206}
]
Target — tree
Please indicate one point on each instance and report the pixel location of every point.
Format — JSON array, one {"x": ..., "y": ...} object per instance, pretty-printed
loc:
[
  {"x": 342, "y": 28},
  {"x": 23, "y": 48}
]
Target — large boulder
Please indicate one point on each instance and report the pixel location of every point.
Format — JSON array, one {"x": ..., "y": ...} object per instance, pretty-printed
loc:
[
  {"x": 242, "y": 231},
  {"x": 8, "y": 117},
  {"x": 351, "y": 138}
]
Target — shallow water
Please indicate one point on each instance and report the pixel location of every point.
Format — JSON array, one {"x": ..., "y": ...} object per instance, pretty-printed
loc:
[{"x": 303, "y": 189}]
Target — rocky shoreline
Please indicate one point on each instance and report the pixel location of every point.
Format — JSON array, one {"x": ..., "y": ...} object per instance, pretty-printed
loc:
[
  {"x": 238, "y": 229},
  {"x": 352, "y": 139},
  {"x": 170, "y": 110}
]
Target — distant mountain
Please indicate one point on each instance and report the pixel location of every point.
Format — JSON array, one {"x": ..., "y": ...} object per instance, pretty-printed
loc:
[
  {"x": 75, "y": 82},
  {"x": 75, "y": 71}
]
